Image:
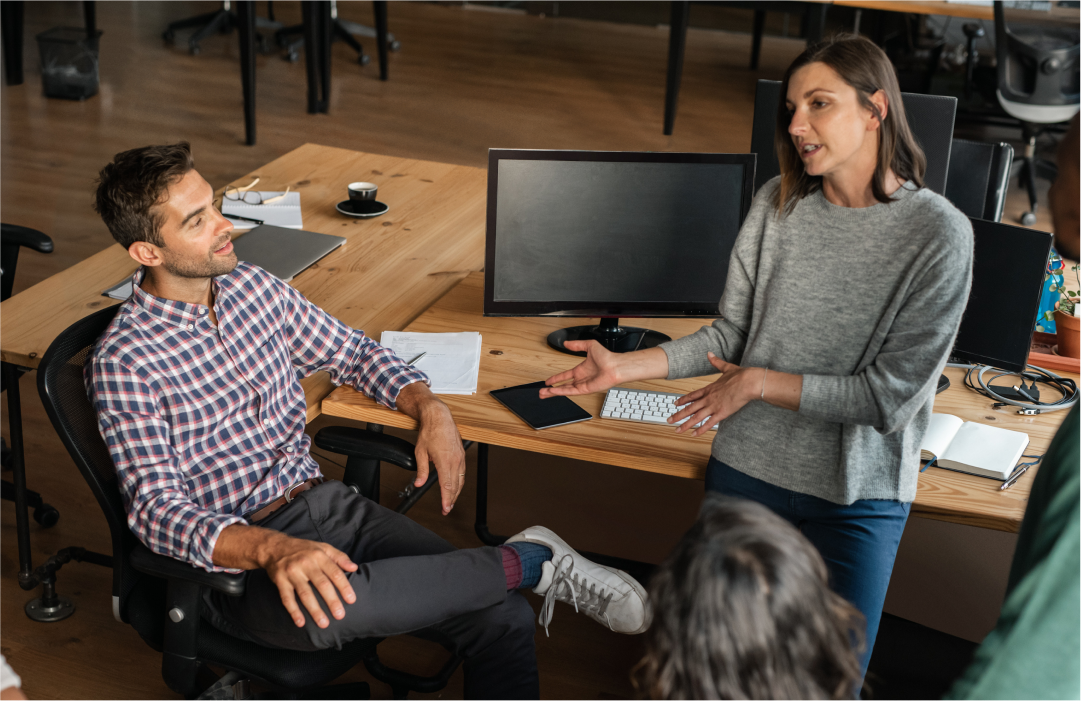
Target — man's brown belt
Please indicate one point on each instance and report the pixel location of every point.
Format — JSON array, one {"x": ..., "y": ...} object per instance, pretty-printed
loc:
[{"x": 287, "y": 496}]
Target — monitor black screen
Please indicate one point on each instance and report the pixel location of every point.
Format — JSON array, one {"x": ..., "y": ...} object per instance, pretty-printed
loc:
[
  {"x": 608, "y": 234},
  {"x": 1007, "y": 281}
]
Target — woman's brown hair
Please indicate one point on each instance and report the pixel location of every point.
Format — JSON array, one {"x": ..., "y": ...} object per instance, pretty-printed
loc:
[
  {"x": 864, "y": 66},
  {"x": 742, "y": 609}
]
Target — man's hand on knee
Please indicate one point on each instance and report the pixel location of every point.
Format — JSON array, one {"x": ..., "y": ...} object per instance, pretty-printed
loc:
[
  {"x": 297, "y": 567},
  {"x": 438, "y": 442}
]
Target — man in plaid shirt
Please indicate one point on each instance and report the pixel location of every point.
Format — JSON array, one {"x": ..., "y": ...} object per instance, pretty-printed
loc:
[{"x": 196, "y": 386}]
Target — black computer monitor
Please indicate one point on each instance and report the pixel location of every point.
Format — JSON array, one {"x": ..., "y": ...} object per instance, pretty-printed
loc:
[
  {"x": 1007, "y": 281},
  {"x": 611, "y": 234}
]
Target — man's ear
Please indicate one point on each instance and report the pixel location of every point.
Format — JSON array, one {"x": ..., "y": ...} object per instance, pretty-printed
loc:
[{"x": 145, "y": 253}]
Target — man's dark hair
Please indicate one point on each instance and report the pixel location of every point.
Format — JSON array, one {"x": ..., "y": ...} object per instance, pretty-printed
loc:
[
  {"x": 742, "y": 610},
  {"x": 132, "y": 188}
]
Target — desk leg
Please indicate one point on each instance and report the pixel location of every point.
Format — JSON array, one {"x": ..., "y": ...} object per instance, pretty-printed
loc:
[
  {"x": 11, "y": 23},
  {"x": 246, "y": 15},
  {"x": 325, "y": 38},
  {"x": 641, "y": 571},
  {"x": 677, "y": 42},
  {"x": 815, "y": 22},
  {"x": 379, "y": 8},
  {"x": 481, "y": 523},
  {"x": 90, "y": 17},
  {"x": 18, "y": 477}
]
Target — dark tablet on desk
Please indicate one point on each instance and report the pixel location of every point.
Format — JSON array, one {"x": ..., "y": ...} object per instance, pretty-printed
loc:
[{"x": 525, "y": 402}]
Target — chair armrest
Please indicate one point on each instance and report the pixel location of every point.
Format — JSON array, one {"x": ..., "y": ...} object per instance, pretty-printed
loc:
[
  {"x": 167, "y": 568},
  {"x": 359, "y": 443},
  {"x": 27, "y": 237}
]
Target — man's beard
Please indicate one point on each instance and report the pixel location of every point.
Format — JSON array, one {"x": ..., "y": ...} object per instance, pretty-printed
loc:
[{"x": 201, "y": 268}]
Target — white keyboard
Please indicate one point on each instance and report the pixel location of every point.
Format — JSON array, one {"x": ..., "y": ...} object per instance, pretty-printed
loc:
[{"x": 642, "y": 406}]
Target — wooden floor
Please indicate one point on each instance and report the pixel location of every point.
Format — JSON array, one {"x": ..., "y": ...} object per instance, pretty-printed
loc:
[{"x": 464, "y": 80}]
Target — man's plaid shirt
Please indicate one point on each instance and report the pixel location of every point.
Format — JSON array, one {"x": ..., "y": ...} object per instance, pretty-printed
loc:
[{"x": 206, "y": 423}]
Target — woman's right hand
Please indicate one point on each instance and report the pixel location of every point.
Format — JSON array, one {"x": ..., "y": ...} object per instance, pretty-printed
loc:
[{"x": 597, "y": 373}]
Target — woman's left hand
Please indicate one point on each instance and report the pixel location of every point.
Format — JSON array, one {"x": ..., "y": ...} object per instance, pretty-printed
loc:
[{"x": 719, "y": 400}]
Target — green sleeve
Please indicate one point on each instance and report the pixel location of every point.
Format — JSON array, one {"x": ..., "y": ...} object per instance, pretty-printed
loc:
[{"x": 1034, "y": 652}]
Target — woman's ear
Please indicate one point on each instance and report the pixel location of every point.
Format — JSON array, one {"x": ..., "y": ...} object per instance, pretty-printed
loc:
[{"x": 882, "y": 104}]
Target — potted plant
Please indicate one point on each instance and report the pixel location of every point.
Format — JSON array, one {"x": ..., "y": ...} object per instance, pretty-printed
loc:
[{"x": 1067, "y": 323}]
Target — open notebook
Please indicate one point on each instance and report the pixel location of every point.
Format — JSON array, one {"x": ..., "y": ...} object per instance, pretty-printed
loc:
[
  {"x": 978, "y": 449},
  {"x": 285, "y": 212}
]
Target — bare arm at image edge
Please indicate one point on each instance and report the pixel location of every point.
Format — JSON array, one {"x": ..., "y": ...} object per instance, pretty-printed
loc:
[{"x": 1065, "y": 195}]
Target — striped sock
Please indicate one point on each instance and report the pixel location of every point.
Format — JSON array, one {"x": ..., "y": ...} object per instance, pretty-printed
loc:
[{"x": 522, "y": 563}]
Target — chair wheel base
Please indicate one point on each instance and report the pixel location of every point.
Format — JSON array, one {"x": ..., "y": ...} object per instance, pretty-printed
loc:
[
  {"x": 1028, "y": 218},
  {"x": 38, "y": 610},
  {"x": 46, "y": 515}
]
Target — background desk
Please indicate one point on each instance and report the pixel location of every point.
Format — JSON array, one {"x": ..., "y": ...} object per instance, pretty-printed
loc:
[{"x": 514, "y": 352}]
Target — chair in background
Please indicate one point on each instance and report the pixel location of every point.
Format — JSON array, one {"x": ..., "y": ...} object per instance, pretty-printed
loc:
[
  {"x": 1038, "y": 79},
  {"x": 13, "y": 238},
  {"x": 223, "y": 20},
  {"x": 978, "y": 178},
  {"x": 162, "y": 598},
  {"x": 292, "y": 38},
  {"x": 929, "y": 116}
]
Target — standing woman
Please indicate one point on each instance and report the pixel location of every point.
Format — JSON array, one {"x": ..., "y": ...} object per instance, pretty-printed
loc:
[{"x": 844, "y": 293}]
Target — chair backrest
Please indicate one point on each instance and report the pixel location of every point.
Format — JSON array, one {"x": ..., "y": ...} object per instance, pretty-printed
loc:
[
  {"x": 929, "y": 116},
  {"x": 1037, "y": 66},
  {"x": 12, "y": 238},
  {"x": 60, "y": 384},
  {"x": 978, "y": 179}
]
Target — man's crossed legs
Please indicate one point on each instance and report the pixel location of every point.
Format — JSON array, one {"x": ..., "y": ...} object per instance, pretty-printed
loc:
[{"x": 410, "y": 580}]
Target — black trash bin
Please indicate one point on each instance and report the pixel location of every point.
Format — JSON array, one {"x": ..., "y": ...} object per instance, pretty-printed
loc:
[{"x": 69, "y": 62}]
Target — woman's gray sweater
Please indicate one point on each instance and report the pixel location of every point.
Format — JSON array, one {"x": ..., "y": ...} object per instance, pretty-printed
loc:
[{"x": 865, "y": 304}]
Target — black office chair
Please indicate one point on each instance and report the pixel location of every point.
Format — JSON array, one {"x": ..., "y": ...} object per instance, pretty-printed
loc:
[
  {"x": 222, "y": 20},
  {"x": 162, "y": 598},
  {"x": 12, "y": 238},
  {"x": 978, "y": 178},
  {"x": 929, "y": 116},
  {"x": 1038, "y": 84},
  {"x": 291, "y": 39}
]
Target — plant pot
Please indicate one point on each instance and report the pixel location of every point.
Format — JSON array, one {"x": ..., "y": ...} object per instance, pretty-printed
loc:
[{"x": 1068, "y": 333}]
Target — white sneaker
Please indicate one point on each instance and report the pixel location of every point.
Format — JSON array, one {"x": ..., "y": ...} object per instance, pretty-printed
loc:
[{"x": 607, "y": 595}]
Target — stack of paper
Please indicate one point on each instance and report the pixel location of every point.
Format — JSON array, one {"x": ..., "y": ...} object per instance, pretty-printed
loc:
[
  {"x": 285, "y": 212},
  {"x": 451, "y": 360}
]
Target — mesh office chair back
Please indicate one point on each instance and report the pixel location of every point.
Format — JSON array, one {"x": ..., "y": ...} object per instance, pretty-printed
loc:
[
  {"x": 1038, "y": 69},
  {"x": 929, "y": 116}
]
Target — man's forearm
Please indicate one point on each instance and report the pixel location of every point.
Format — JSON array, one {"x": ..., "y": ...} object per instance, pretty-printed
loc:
[
  {"x": 244, "y": 547},
  {"x": 416, "y": 398}
]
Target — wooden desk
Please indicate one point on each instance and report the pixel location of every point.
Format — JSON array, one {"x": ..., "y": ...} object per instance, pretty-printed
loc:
[
  {"x": 390, "y": 270},
  {"x": 962, "y": 10},
  {"x": 514, "y": 352}
]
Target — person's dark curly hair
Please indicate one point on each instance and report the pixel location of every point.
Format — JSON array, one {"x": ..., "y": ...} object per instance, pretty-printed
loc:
[
  {"x": 134, "y": 185},
  {"x": 742, "y": 610}
]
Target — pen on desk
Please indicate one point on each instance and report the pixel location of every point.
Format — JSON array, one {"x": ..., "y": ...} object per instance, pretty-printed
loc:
[
  {"x": 1014, "y": 477},
  {"x": 240, "y": 218},
  {"x": 414, "y": 360}
]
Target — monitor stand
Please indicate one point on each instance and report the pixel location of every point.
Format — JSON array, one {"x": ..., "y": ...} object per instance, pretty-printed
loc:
[{"x": 616, "y": 338}]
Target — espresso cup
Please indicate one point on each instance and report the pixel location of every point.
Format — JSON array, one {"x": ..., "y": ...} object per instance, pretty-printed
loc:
[{"x": 363, "y": 191}]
